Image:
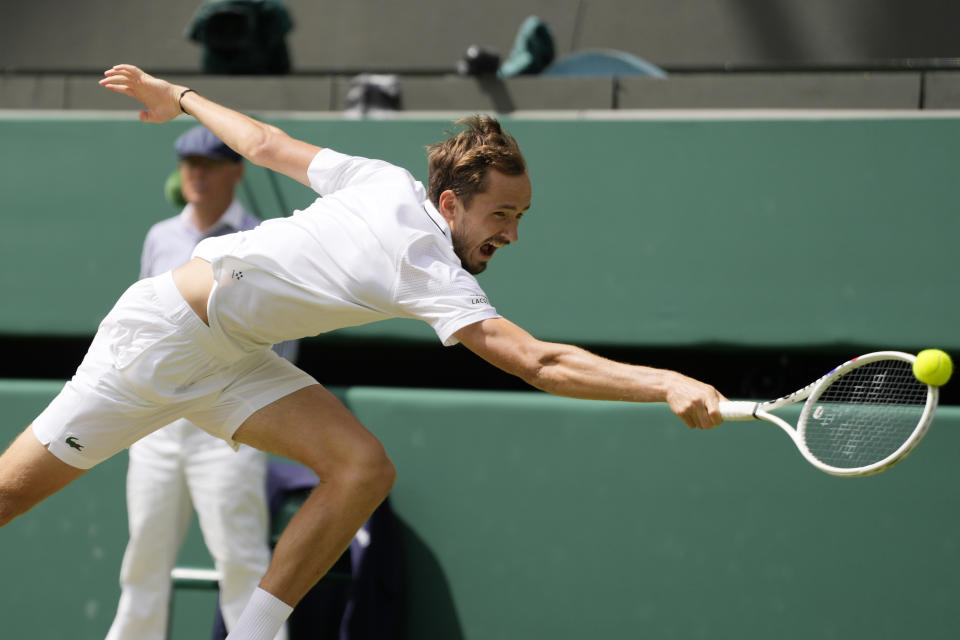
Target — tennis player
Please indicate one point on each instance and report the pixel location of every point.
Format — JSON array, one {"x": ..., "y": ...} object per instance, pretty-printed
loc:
[{"x": 195, "y": 342}]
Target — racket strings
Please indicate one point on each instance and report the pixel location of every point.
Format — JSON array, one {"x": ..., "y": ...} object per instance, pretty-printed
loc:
[{"x": 865, "y": 415}]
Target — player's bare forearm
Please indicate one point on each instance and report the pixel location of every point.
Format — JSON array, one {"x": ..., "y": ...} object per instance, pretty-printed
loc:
[
  {"x": 258, "y": 142},
  {"x": 570, "y": 371},
  {"x": 567, "y": 370}
]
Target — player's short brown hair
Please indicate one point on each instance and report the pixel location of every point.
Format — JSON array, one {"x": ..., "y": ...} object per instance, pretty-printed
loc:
[{"x": 460, "y": 163}]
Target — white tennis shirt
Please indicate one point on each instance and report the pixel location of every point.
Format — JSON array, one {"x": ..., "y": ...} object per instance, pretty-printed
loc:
[{"x": 373, "y": 247}]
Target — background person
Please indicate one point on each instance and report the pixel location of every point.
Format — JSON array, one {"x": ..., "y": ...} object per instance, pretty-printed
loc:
[{"x": 181, "y": 467}]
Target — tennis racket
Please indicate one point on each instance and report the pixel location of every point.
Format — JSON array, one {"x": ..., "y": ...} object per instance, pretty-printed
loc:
[{"x": 862, "y": 418}]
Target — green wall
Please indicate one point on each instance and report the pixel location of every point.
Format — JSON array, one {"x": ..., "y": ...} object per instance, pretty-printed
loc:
[
  {"x": 656, "y": 232},
  {"x": 529, "y": 516}
]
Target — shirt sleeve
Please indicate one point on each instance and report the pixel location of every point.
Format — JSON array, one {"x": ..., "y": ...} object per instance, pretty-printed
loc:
[
  {"x": 330, "y": 171},
  {"x": 433, "y": 287}
]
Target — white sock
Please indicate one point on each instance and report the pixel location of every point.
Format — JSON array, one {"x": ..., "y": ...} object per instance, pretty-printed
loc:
[{"x": 262, "y": 618}]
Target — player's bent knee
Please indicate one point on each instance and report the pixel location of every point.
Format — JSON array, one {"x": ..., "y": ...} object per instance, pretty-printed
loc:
[
  {"x": 387, "y": 475},
  {"x": 367, "y": 473},
  {"x": 373, "y": 472},
  {"x": 353, "y": 459}
]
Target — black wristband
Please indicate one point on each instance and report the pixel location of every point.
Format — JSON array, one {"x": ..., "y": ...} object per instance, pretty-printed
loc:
[{"x": 180, "y": 100}]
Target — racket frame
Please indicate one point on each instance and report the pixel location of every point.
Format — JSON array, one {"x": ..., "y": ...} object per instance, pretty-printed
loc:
[{"x": 746, "y": 410}]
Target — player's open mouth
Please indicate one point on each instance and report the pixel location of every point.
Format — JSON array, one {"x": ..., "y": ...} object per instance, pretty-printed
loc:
[{"x": 487, "y": 249}]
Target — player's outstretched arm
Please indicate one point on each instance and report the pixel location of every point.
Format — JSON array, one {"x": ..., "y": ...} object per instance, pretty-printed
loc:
[
  {"x": 567, "y": 370},
  {"x": 258, "y": 142}
]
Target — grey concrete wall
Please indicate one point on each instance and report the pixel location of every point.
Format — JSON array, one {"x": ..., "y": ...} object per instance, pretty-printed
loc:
[{"x": 431, "y": 35}]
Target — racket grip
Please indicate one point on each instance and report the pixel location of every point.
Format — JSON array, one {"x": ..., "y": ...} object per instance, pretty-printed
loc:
[{"x": 738, "y": 410}]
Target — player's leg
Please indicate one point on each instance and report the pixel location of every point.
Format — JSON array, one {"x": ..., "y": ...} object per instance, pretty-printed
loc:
[
  {"x": 80, "y": 428},
  {"x": 29, "y": 474},
  {"x": 271, "y": 405},
  {"x": 355, "y": 475},
  {"x": 92, "y": 418},
  {"x": 158, "y": 514}
]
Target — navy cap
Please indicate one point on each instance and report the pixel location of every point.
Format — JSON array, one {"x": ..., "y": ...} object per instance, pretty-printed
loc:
[{"x": 200, "y": 141}]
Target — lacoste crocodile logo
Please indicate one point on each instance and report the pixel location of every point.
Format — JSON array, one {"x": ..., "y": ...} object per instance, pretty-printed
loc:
[{"x": 72, "y": 441}]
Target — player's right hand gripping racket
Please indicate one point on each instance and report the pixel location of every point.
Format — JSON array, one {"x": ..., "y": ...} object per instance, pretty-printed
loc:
[{"x": 861, "y": 418}]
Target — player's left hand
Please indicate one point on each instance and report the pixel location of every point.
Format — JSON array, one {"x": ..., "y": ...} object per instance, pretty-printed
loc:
[{"x": 160, "y": 97}]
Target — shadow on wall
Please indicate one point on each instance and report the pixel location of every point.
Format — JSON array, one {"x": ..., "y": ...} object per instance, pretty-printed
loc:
[{"x": 429, "y": 602}]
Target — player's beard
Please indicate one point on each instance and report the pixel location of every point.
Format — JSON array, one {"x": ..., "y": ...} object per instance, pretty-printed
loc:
[{"x": 463, "y": 250}]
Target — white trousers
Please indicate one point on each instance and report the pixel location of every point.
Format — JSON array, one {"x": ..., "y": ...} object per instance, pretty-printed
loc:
[{"x": 171, "y": 471}]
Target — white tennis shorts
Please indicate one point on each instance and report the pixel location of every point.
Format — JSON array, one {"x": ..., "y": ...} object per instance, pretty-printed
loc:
[{"x": 153, "y": 361}]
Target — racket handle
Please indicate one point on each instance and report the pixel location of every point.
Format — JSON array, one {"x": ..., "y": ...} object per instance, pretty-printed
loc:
[{"x": 738, "y": 410}]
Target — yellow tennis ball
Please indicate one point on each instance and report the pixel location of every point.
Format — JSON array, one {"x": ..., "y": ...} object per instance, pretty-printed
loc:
[{"x": 933, "y": 367}]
